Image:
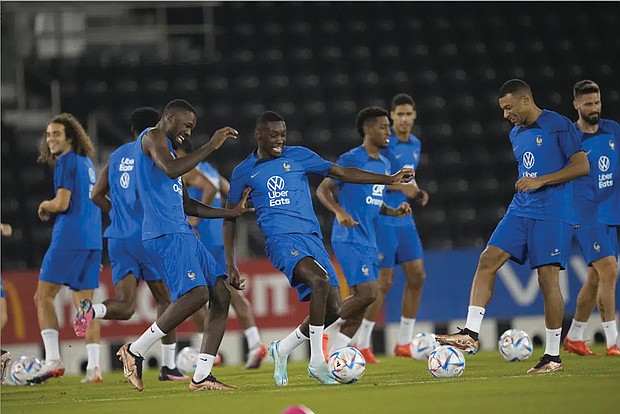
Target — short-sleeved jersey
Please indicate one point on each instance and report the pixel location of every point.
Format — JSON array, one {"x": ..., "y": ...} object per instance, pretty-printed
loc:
[
  {"x": 210, "y": 229},
  {"x": 361, "y": 201},
  {"x": 279, "y": 190},
  {"x": 540, "y": 149},
  {"x": 80, "y": 226},
  {"x": 400, "y": 154},
  {"x": 598, "y": 186},
  {"x": 160, "y": 195},
  {"x": 609, "y": 209},
  {"x": 126, "y": 211}
]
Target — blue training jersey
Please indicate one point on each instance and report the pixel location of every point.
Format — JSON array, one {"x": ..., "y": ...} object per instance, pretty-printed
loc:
[
  {"x": 540, "y": 149},
  {"x": 161, "y": 196},
  {"x": 210, "y": 230},
  {"x": 279, "y": 190},
  {"x": 361, "y": 201},
  {"x": 609, "y": 209},
  {"x": 80, "y": 226},
  {"x": 126, "y": 211},
  {"x": 400, "y": 155}
]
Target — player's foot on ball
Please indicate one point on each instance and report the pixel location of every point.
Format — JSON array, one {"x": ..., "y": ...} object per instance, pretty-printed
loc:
[
  {"x": 613, "y": 351},
  {"x": 50, "y": 369},
  {"x": 171, "y": 374},
  {"x": 132, "y": 366},
  {"x": 256, "y": 356},
  {"x": 462, "y": 340},
  {"x": 321, "y": 373},
  {"x": 324, "y": 343},
  {"x": 210, "y": 383},
  {"x": 280, "y": 373},
  {"x": 369, "y": 357},
  {"x": 92, "y": 375},
  {"x": 82, "y": 320},
  {"x": 402, "y": 350},
  {"x": 547, "y": 364},
  {"x": 577, "y": 347},
  {"x": 6, "y": 362}
]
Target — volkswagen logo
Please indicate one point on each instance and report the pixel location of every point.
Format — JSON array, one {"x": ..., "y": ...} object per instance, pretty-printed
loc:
[
  {"x": 528, "y": 160},
  {"x": 275, "y": 183},
  {"x": 125, "y": 180},
  {"x": 603, "y": 163}
]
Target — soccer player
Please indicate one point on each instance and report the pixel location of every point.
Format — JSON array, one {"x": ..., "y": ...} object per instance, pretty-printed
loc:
[
  {"x": 7, "y": 231},
  {"x": 190, "y": 272},
  {"x": 276, "y": 175},
  {"x": 127, "y": 255},
  {"x": 74, "y": 255},
  {"x": 598, "y": 215},
  {"x": 357, "y": 210},
  {"x": 397, "y": 236},
  {"x": 537, "y": 224},
  {"x": 206, "y": 184}
]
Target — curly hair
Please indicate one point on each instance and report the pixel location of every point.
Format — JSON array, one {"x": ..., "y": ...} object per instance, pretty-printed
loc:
[{"x": 74, "y": 131}]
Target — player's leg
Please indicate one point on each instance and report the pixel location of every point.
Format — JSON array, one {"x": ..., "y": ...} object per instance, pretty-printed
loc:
[
  {"x": 257, "y": 351},
  {"x": 6, "y": 356},
  {"x": 412, "y": 294},
  {"x": 93, "y": 346},
  {"x": 48, "y": 324},
  {"x": 586, "y": 301},
  {"x": 607, "y": 269},
  {"x": 353, "y": 308},
  {"x": 508, "y": 240}
]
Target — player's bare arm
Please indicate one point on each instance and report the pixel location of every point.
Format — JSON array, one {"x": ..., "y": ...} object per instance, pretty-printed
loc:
[
  {"x": 195, "y": 178},
  {"x": 100, "y": 191},
  {"x": 401, "y": 211},
  {"x": 58, "y": 204},
  {"x": 412, "y": 191},
  {"x": 325, "y": 193},
  {"x": 230, "y": 235},
  {"x": 578, "y": 166},
  {"x": 197, "y": 209},
  {"x": 155, "y": 145},
  {"x": 355, "y": 175}
]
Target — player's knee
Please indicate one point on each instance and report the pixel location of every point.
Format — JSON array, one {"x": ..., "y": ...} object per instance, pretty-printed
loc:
[
  {"x": 416, "y": 281},
  {"x": 384, "y": 286},
  {"x": 369, "y": 294},
  {"x": 319, "y": 285}
]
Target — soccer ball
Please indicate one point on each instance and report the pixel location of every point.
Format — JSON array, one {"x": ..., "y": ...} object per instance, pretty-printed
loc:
[
  {"x": 422, "y": 346},
  {"x": 187, "y": 359},
  {"x": 346, "y": 365},
  {"x": 446, "y": 361},
  {"x": 515, "y": 345},
  {"x": 24, "y": 369}
]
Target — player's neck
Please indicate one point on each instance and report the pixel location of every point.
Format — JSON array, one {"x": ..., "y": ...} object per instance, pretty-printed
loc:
[
  {"x": 403, "y": 136},
  {"x": 586, "y": 127},
  {"x": 533, "y": 116},
  {"x": 371, "y": 150}
]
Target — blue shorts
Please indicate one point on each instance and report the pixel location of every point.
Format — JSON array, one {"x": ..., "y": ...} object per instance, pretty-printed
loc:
[
  {"x": 76, "y": 268},
  {"x": 544, "y": 242},
  {"x": 183, "y": 261},
  {"x": 398, "y": 244},
  {"x": 613, "y": 237},
  {"x": 595, "y": 242},
  {"x": 129, "y": 256},
  {"x": 218, "y": 253},
  {"x": 286, "y": 250},
  {"x": 359, "y": 263}
]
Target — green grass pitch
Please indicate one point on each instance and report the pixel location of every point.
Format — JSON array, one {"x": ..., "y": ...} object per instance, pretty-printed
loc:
[{"x": 488, "y": 385}]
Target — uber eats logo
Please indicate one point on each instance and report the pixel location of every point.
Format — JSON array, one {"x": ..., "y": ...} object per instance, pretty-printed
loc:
[{"x": 277, "y": 194}]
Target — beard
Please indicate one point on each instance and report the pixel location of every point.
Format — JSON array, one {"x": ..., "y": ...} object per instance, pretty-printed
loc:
[{"x": 592, "y": 118}]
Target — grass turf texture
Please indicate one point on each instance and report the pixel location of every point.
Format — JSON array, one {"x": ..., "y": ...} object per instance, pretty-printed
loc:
[{"x": 397, "y": 385}]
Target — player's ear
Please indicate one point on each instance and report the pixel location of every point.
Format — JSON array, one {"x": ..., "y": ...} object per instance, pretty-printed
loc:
[{"x": 575, "y": 105}]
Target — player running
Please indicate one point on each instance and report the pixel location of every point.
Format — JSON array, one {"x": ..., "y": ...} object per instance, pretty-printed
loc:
[
  {"x": 598, "y": 216},
  {"x": 277, "y": 177},
  {"x": 357, "y": 210},
  {"x": 537, "y": 223},
  {"x": 128, "y": 258},
  {"x": 190, "y": 272}
]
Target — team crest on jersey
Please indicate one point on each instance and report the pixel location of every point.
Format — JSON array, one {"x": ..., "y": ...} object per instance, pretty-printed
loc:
[
  {"x": 287, "y": 166},
  {"x": 294, "y": 252},
  {"x": 539, "y": 140},
  {"x": 191, "y": 275},
  {"x": 597, "y": 247},
  {"x": 380, "y": 256},
  {"x": 612, "y": 145},
  {"x": 365, "y": 270}
]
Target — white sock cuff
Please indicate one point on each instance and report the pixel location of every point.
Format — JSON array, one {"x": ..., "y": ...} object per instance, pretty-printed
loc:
[{"x": 100, "y": 310}]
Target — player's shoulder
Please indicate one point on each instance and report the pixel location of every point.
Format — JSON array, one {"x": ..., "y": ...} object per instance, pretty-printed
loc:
[
  {"x": 353, "y": 152},
  {"x": 414, "y": 140},
  {"x": 244, "y": 167},
  {"x": 610, "y": 125},
  {"x": 554, "y": 119},
  {"x": 123, "y": 149},
  {"x": 295, "y": 151}
]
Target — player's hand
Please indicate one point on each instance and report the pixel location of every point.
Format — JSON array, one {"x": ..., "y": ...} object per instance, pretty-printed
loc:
[
  {"x": 242, "y": 208},
  {"x": 234, "y": 278},
  {"x": 410, "y": 190},
  {"x": 222, "y": 135},
  {"x": 403, "y": 210},
  {"x": 421, "y": 198},
  {"x": 403, "y": 176},
  {"x": 525, "y": 184},
  {"x": 345, "y": 219},
  {"x": 7, "y": 230},
  {"x": 44, "y": 215}
]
